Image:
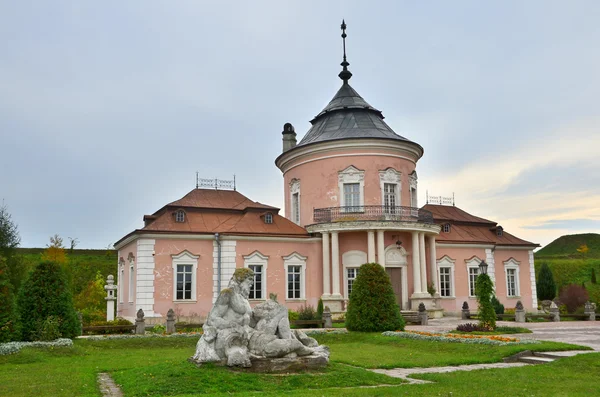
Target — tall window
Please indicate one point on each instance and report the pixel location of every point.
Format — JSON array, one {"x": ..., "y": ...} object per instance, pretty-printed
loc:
[
  {"x": 294, "y": 281},
  {"x": 473, "y": 272},
  {"x": 351, "y": 272},
  {"x": 121, "y": 282},
  {"x": 352, "y": 196},
  {"x": 131, "y": 282},
  {"x": 445, "y": 282},
  {"x": 184, "y": 282},
  {"x": 296, "y": 207},
  {"x": 256, "y": 289},
  {"x": 389, "y": 197},
  {"x": 511, "y": 282}
]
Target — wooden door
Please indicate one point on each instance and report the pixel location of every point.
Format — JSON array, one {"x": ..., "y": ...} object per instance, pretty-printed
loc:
[{"x": 395, "y": 274}]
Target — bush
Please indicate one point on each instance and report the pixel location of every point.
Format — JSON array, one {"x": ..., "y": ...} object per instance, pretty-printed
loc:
[
  {"x": 9, "y": 318},
  {"x": 498, "y": 307},
  {"x": 292, "y": 316},
  {"x": 546, "y": 287},
  {"x": 46, "y": 293},
  {"x": 484, "y": 289},
  {"x": 49, "y": 330},
  {"x": 471, "y": 327},
  {"x": 573, "y": 296},
  {"x": 593, "y": 276},
  {"x": 320, "y": 309},
  {"x": 307, "y": 313},
  {"x": 159, "y": 329},
  {"x": 372, "y": 306},
  {"x": 104, "y": 323}
]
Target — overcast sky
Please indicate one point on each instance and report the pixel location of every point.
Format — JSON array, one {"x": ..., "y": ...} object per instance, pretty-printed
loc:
[{"x": 108, "y": 108}]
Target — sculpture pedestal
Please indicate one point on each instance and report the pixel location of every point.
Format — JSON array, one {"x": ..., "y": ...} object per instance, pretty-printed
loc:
[{"x": 335, "y": 303}]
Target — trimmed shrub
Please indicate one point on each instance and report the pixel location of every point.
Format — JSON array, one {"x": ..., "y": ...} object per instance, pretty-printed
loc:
[
  {"x": 9, "y": 318},
  {"x": 498, "y": 307},
  {"x": 307, "y": 313},
  {"x": 573, "y": 297},
  {"x": 292, "y": 316},
  {"x": 49, "y": 329},
  {"x": 372, "y": 306},
  {"x": 46, "y": 293},
  {"x": 320, "y": 309},
  {"x": 546, "y": 287},
  {"x": 484, "y": 289}
]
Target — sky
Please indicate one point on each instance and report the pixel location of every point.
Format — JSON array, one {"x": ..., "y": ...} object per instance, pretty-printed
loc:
[{"x": 108, "y": 109}]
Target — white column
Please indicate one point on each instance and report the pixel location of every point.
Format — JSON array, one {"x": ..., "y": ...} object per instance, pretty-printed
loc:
[
  {"x": 416, "y": 263},
  {"x": 433, "y": 263},
  {"x": 326, "y": 274},
  {"x": 423, "y": 262},
  {"x": 380, "y": 248},
  {"x": 335, "y": 264},
  {"x": 371, "y": 246}
]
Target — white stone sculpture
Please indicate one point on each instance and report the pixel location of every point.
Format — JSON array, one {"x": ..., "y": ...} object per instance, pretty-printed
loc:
[{"x": 260, "y": 339}]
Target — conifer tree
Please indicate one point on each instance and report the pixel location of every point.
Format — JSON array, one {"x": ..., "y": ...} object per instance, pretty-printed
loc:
[
  {"x": 546, "y": 287},
  {"x": 593, "y": 276},
  {"x": 9, "y": 320}
]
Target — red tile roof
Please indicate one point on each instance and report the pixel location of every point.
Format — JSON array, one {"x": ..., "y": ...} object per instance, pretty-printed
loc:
[{"x": 222, "y": 199}]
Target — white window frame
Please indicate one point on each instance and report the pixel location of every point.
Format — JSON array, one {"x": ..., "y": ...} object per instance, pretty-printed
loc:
[
  {"x": 350, "y": 175},
  {"x": 413, "y": 181},
  {"x": 447, "y": 228},
  {"x": 447, "y": 263},
  {"x": 472, "y": 263},
  {"x": 348, "y": 279},
  {"x": 131, "y": 279},
  {"x": 393, "y": 177},
  {"x": 513, "y": 264},
  {"x": 268, "y": 218},
  {"x": 258, "y": 259},
  {"x": 180, "y": 216},
  {"x": 295, "y": 209},
  {"x": 121, "y": 280},
  {"x": 351, "y": 259},
  {"x": 295, "y": 259},
  {"x": 185, "y": 258}
]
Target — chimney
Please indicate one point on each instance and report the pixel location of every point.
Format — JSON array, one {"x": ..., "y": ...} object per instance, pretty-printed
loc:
[{"x": 289, "y": 137}]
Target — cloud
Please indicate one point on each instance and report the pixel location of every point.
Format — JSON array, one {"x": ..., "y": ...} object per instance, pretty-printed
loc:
[{"x": 576, "y": 224}]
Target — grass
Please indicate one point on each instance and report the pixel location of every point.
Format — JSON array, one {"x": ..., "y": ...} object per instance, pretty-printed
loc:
[{"x": 158, "y": 367}]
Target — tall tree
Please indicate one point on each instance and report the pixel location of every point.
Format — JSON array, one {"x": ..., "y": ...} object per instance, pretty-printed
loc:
[
  {"x": 9, "y": 320},
  {"x": 9, "y": 241},
  {"x": 55, "y": 251},
  {"x": 546, "y": 287}
]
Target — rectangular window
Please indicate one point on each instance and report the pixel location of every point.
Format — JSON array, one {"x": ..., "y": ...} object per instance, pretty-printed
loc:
[
  {"x": 389, "y": 197},
  {"x": 413, "y": 197},
  {"x": 352, "y": 197},
  {"x": 184, "y": 282},
  {"x": 473, "y": 272},
  {"x": 445, "y": 286},
  {"x": 296, "y": 208},
  {"x": 121, "y": 282},
  {"x": 294, "y": 275},
  {"x": 256, "y": 289},
  {"x": 131, "y": 281},
  {"x": 511, "y": 282},
  {"x": 351, "y": 275}
]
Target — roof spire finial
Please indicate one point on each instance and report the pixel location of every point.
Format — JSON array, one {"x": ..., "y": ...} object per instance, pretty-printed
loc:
[{"x": 345, "y": 74}]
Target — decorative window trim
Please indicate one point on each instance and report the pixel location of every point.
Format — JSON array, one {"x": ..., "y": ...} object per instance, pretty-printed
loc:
[
  {"x": 295, "y": 259},
  {"x": 513, "y": 264},
  {"x": 131, "y": 291},
  {"x": 351, "y": 259},
  {"x": 391, "y": 176},
  {"x": 446, "y": 228},
  {"x": 499, "y": 231},
  {"x": 268, "y": 218},
  {"x": 180, "y": 216},
  {"x": 351, "y": 174},
  {"x": 121, "y": 279},
  {"x": 256, "y": 258},
  {"x": 185, "y": 258},
  {"x": 391, "y": 261},
  {"x": 447, "y": 262},
  {"x": 472, "y": 263},
  {"x": 412, "y": 182},
  {"x": 295, "y": 189}
]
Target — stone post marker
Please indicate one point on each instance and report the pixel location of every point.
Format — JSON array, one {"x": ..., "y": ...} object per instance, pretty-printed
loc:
[
  {"x": 110, "y": 288},
  {"x": 554, "y": 312},
  {"x": 590, "y": 310},
  {"x": 328, "y": 323},
  {"x": 519, "y": 313},
  {"x": 466, "y": 313},
  {"x": 422, "y": 314},
  {"x": 140, "y": 324},
  {"x": 170, "y": 321}
]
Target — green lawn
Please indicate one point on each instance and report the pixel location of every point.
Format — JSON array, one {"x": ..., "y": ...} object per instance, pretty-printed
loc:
[{"x": 158, "y": 367}]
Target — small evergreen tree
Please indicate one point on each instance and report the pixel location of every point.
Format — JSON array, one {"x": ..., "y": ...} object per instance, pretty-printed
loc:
[
  {"x": 498, "y": 307},
  {"x": 320, "y": 309},
  {"x": 546, "y": 287},
  {"x": 9, "y": 320},
  {"x": 593, "y": 276},
  {"x": 484, "y": 290},
  {"x": 46, "y": 293},
  {"x": 372, "y": 306}
]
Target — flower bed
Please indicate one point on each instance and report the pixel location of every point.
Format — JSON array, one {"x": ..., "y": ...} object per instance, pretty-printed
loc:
[
  {"x": 458, "y": 338},
  {"x": 14, "y": 347}
]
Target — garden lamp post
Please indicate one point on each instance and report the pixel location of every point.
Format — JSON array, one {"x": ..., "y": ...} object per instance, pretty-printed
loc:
[{"x": 483, "y": 267}]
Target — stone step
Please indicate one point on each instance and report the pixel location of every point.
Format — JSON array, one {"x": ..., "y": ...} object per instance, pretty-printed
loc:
[
  {"x": 559, "y": 354},
  {"x": 535, "y": 360}
]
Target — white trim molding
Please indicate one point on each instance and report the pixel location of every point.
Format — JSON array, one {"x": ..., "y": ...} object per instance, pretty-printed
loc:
[
  {"x": 121, "y": 280},
  {"x": 352, "y": 259},
  {"x": 295, "y": 259},
  {"x": 351, "y": 174},
  {"x": 412, "y": 180},
  {"x": 397, "y": 258},
  {"x": 533, "y": 282},
  {"x": 144, "y": 289},
  {"x": 295, "y": 189},
  {"x": 185, "y": 258},
  {"x": 228, "y": 252},
  {"x": 489, "y": 259},
  {"x": 258, "y": 259},
  {"x": 447, "y": 262},
  {"x": 512, "y": 264},
  {"x": 391, "y": 176},
  {"x": 472, "y": 263}
]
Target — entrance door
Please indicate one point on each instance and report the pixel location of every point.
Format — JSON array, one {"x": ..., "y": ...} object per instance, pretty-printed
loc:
[{"x": 395, "y": 274}]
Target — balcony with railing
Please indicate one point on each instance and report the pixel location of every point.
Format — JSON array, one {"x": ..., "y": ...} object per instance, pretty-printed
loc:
[{"x": 372, "y": 213}]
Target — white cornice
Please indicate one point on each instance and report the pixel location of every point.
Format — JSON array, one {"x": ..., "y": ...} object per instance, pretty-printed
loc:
[
  {"x": 454, "y": 245},
  {"x": 373, "y": 225},
  {"x": 407, "y": 150}
]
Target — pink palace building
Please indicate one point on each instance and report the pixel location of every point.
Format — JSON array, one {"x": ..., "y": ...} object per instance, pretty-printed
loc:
[{"x": 350, "y": 198}]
